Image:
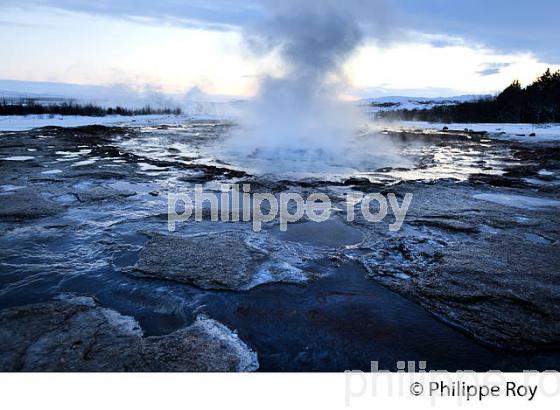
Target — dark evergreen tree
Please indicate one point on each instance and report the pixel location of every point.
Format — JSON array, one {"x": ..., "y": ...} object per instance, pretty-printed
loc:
[{"x": 536, "y": 103}]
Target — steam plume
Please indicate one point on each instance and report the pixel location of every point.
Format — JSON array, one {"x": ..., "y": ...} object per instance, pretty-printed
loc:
[{"x": 299, "y": 114}]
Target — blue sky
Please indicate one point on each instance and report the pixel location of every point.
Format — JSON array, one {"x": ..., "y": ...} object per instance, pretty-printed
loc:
[{"x": 429, "y": 47}]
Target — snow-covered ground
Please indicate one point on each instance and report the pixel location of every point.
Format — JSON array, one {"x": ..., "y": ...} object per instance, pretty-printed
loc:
[
  {"x": 515, "y": 132},
  {"x": 506, "y": 131},
  {"x": 27, "y": 122}
]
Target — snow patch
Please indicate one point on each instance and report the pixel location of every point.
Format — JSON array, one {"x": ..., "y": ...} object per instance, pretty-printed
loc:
[
  {"x": 278, "y": 271},
  {"x": 518, "y": 201},
  {"x": 18, "y": 158},
  {"x": 248, "y": 361},
  {"x": 127, "y": 324},
  {"x": 9, "y": 187},
  {"x": 85, "y": 162}
]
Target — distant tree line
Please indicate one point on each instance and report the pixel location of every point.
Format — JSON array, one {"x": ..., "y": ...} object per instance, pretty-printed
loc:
[
  {"x": 71, "y": 108},
  {"x": 536, "y": 103}
]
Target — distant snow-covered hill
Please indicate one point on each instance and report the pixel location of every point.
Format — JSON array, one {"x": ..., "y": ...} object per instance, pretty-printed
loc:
[
  {"x": 194, "y": 100},
  {"x": 409, "y": 103}
]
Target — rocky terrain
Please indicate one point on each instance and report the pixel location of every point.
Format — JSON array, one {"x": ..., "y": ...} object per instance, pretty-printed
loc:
[
  {"x": 83, "y": 212},
  {"x": 489, "y": 269},
  {"x": 78, "y": 335}
]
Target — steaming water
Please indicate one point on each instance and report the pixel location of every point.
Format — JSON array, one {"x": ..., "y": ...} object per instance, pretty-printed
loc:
[
  {"x": 370, "y": 154},
  {"x": 360, "y": 153}
]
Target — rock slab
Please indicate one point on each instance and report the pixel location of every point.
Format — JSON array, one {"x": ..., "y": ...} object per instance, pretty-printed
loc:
[
  {"x": 77, "y": 334},
  {"x": 211, "y": 261}
]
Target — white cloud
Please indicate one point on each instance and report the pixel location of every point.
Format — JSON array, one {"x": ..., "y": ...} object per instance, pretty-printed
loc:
[
  {"x": 451, "y": 66},
  {"x": 84, "y": 49},
  {"x": 81, "y": 48}
]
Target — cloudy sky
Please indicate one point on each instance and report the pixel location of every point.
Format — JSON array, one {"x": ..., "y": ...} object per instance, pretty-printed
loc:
[{"x": 410, "y": 47}]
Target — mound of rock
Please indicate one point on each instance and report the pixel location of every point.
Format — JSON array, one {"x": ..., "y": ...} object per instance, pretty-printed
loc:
[
  {"x": 474, "y": 267},
  {"x": 497, "y": 292},
  {"x": 103, "y": 194},
  {"x": 211, "y": 261},
  {"x": 24, "y": 204},
  {"x": 79, "y": 335}
]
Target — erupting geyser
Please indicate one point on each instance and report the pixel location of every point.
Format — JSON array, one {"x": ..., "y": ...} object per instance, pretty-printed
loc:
[{"x": 299, "y": 116}]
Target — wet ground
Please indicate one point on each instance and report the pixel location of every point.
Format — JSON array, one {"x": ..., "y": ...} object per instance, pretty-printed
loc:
[{"x": 470, "y": 282}]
